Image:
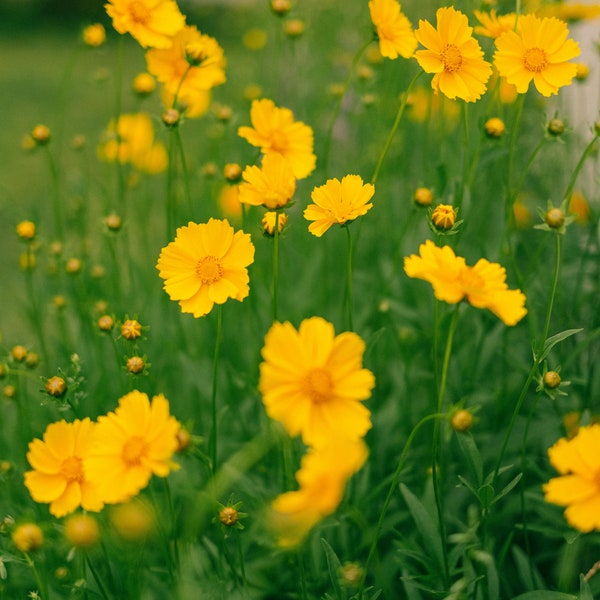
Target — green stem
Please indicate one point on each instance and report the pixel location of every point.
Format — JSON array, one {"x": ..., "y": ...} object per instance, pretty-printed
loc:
[
  {"x": 35, "y": 312},
  {"x": 465, "y": 162},
  {"x": 171, "y": 202},
  {"x": 586, "y": 152},
  {"x": 275, "y": 265},
  {"x": 557, "y": 238},
  {"x": 118, "y": 92},
  {"x": 41, "y": 583},
  {"x": 213, "y": 433},
  {"x": 186, "y": 176},
  {"x": 511, "y": 151},
  {"x": 349, "y": 279},
  {"x": 56, "y": 204},
  {"x": 103, "y": 591}
]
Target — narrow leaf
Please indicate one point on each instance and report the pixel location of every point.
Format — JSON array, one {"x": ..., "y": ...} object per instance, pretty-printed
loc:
[
  {"x": 555, "y": 339},
  {"x": 335, "y": 567}
]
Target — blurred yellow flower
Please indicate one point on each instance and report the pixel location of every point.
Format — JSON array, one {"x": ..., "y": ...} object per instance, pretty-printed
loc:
[
  {"x": 338, "y": 202},
  {"x": 255, "y": 38},
  {"x": 206, "y": 264},
  {"x": 483, "y": 285},
  {"x": 578, "y": 488},
  {"x": 313, "y": 381},
  {"x": 493, "y": 25},
  {"x": 322, "y": 478},
  {"x": 229, "y": 201},
  {"x": 271, "y": 185},
  {"x": 59, "y": 476},
  {"x": 454, "y": 55},
  {"x": 28, "y": 537},
  {"x": 539, "y": 50},
  {"x": 579, "y": 207},
  {"x": 151, "y": 22},
  {"x": 26, "y": 230},
  {"x": 82, "y": 531},
  {"x": 94, "y": 35},
  {"x": 274, "y": 130},
  {"x": 134, "y": 521},
  {"x": 522, "y": 214},
  {"x": 194, "y": 102},
  {"x": 143, "y": 84},
  {"x": 130, "y": 445},
  {"x": 571, "y": 11},
  {"x": 394, "y": 31}
]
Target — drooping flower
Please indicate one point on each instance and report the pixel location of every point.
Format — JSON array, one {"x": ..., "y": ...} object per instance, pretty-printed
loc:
[
  {"x": 131, "y": 444},
  {"x": 313, "y": 381},
  {"x": 151, "y": 22},
  {"x": 493, "y": 25},
  {"x": 271, "y": 185},
  {"x": 394, "y": 31},
  {"x": 274, "y": 130},
  {"x": 539, "y": 50},
  {"x": 338, "y": 202},
  {"x": 206, "y": 264},
  {"x": 454, "y": 55},
  {"x": 59, "y": 476},
  {"x": 483, "y": 285},
  {"x": 578, "y": 487},
  {"x": 322, "y": 478}
]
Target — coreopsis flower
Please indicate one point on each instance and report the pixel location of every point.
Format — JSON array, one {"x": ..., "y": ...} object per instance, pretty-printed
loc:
[
  {"x": 538, "y": 50},
  {"x": 493, "y": 25},
  {"x": 94, "y": 35},
  {"x": 454, "y": 55},
  {"x": 270, "y": 219},
  {"x": 153, "y": 23},
  {"x": 275, "y": 131},
  {"x": 322, "y": 478},
  {"x": 28, "y": 537},
  {"x": 483, "y": 285},
  {"x": 206, "y": 264},
  {"x": 394, "y": 31},
  {"x": 130, "y": 445},
  {"x": 59, "y": 460},
  {"x": 82, "y": 531},
  {"x": 313, "y": 381},
  {"x": 338, "y": 202},
  {"x": 26, "y": 230},
  {"x": 271, "y": 185},
  {"x": 578, "y": 488},
  {"x": 571, "y": 12}
]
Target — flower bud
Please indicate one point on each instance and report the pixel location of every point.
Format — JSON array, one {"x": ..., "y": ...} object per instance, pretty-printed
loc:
[
  {"x": 135, "y": 364},
  {"x": 134, "y": 521},
  {"x": 293, "y": 28},
  {"x": 56, "y": 386},
  {"x": 423, "y": 196},
  {"x": 462, "y": 420},
  {"x": 32, "y": 360},
  {"x": 106, "y": 323},
  {"x": 28, "y": 537},
  {"x": 73, "y": 266},
  {"x": 143, "y": 84},
  {"x": 556, "y": 127},
  {"x": 223, "y": 113},
  {"x": 195, "y": 54},
  {"x": 494, "y": 127},
  {"x": 555, "y": 218},
  {"x": 41, "y": 135},
  {"x": 443, "y": 217},
  {"x": 113, "y": 222},
  {"x": 228, "y": 516},
  {"x": 94, "y": 35},
  {"x": 281, "y": 7},
  {"x": 351, "y": 574},
  {"x": 232, "y": 172},
  {"x": 19, "y": 353},
  {"x": 183, "y": 439},
  {"x": 26, "y": 230},
  {"x": 82, "y": 531},
  {"x": 131, "y": 329},
  {"x": 59, "y": 301},
  {"x": 171, "y": 117},
  {"x": 268, "y": 222},
  {"x": 9, "y": 391},
  {"x": 551, "y": 380},
  {"x": 583, "y": 71}
]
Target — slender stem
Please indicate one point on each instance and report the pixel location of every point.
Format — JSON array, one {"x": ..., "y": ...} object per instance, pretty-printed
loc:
[
  {"x": 213, "y": 434},
  {"x": 511, "y": 155},
  {"x": 171, "y": 202},
  {"x": 302, "y": 575},
  {"x": 515, "y": 192},
  {"x": 238, "y": 542},
  {"x": 186, "y": 176},
  {"x": 173, "y": 532},
  {"x": 35, "y": 312},
  {"x": 465, "y": 162},
  {"x": 399, "y": 114},
  {"x": 557, "y": 238},
  {"x": 56, "y": 204},
  {"x": 40, "y": 582},
  {"x": 586, "y": 152},
  {"x": 118, "y": 91},
  {"x": 349, "y": 279},
  {"x": 103, "y": 591},
  {"x": 275, "y": 264}
]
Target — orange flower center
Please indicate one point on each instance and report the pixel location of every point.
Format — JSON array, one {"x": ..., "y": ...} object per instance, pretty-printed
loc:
[
  {"x": 279, "y": 141},
  {"x": 452, "y": 58},
  {"x": 318, "y": 385},
  {"x": 133, "y": 450},
  {"x": 471, "y": 282},
  {"x": 139, "y": 12},
  {"x": 535, "y": 60},
  {"x": 72, "y": 468},
  {"x": 209, "y": 269}
]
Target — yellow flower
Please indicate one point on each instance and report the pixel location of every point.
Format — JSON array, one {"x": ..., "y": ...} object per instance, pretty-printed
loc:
[
  {"x": 454, "y": 55},
  {"x": 313, "y": 382},
  {"x": 493, "y": 25},
  {"x": 579, "y": 207},
  {"x": 59, "y": 462},
  {"x": 134, "y": 521},
  {"x": 271, "y": 185},
  {"x": 483, "y": 285},
  {"x": 151, "y": 22},
  {"x": 26, "y": 230},
  {"x": 143, "y": 84},
  {"x": 571, "y": 12},
  {"x": 82, "y": 531},
  {"x": 539, "y": 50},
  {"x": 322, "y": 478},
  {"x": 206, "y": 264},
  {"x": 194, "y": 102},
  {"x": 578, "y": 488},
  {"x": 443, "y": 217},
  {"x": 28, "y": 537},
  {"x": 94, "y": 35},
  {"x": 194, "y": 63},
  {"x": 131, "y": 444},
  {"x": 338, "y": 202},
  {"x": 268, "y": 222},
  {"x": 274, "y": 130},
  {"x": 394, "y": 30}
]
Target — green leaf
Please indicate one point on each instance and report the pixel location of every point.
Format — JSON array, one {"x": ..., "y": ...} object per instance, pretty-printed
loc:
[
  {"x": 555, "y": 339},
  {"x": 471, "y": 452},
  {"x": 508, "y": 488},
  {"x": 486, "y": 495},
  {"x": 585, "y": 593},
  {"x": 335, "y": 567},
  {"x": 545, "y": 595}
]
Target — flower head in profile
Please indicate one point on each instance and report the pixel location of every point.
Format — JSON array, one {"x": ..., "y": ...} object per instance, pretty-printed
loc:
[
  {"x": 394, "y": 31},
  {"x": 539, "y": 51},
  {"x": 578, "y": 487},
  {"x": 483, "y": 285},
  {"x": 493, "y": 25},
  {"x": 271, "y": 185},
  {"x": 454, "y": 55},
  {"x": 322, "y": 478},
  {"x": 151, "y": 22},
  {"x": 572, "y": 12},
  {"x": 206, "y": 265},
  {"x": 313, "y": 381},
  {"x": 274, "y": 130},
  {"x": 338, "y": 202},
  {"x": 131, "y": 444},
  {"x": 59, "y": 461}
]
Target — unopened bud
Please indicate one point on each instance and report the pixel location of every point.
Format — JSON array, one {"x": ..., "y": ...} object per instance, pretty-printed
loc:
[
  {"x": 555, "y": 218},
  {"x": 551, "y": 380}
]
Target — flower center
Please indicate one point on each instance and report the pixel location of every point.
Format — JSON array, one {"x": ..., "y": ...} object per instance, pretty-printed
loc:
[
  {"x": 209, "y": 269},
  {"x": 472, "y": 283},
  {"x": 279, "y": 142},
  {"x": 72, "y": 468},
  {"x": 133, "y": 450},
  {"x": 452, "y": 58},
  {"x": 318, "y": 385},
  {"x": 139, "y": 12},
  {"x": 535, "y": 60}
]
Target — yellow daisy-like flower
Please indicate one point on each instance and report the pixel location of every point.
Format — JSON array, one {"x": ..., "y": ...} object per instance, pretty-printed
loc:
[
  {"x": 322, "y": 478},
  {"x": 274, "y": 130},
  {"x": 539, "y": 50},
  {"x": 338, "y": 202},
  {"x": 493, "y": 25},
  {"x": 578, "y": 487},
  {"x": 571, "y": 12},
  {"x": 60, "y": 476},
  {"x": 394, "y": 31},
  {"x": 271, "y": 185},
  {"x": 313, "y": 381},
  {"x": 483, "y": 285},
  {"x": 151, "y": 22},
  {"x": 206, "y": 264},
  {"x": 131, "y": 444},
  {"x": 454, "y": 55}
]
